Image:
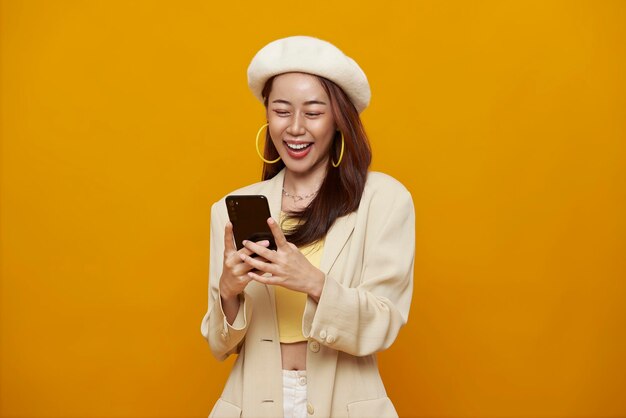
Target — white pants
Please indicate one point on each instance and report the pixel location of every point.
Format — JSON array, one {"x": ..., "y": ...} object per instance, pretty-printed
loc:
[{"x": 294, "y": 393}]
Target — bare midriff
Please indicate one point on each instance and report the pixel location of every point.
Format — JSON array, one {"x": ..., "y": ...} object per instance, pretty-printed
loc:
[{"x": 294, "y": 355}]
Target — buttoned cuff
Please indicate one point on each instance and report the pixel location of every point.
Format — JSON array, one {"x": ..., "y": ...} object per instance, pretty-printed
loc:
[
  {"x": 241, "y": 320},
  {"x": 313, "y": 320}
]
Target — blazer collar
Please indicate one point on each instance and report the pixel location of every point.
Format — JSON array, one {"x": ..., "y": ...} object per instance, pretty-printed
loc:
[{"x": 337, "y": 235}]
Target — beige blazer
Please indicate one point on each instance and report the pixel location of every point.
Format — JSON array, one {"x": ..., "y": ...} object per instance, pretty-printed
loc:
[{"x": 368, "y": 262}]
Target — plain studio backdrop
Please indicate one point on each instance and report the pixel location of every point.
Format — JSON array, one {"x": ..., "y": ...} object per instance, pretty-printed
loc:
[{"x": 122, "y": 121}]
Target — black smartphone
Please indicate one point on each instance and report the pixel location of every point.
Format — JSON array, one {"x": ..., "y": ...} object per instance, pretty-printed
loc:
[{"x": 248, "y": 214}]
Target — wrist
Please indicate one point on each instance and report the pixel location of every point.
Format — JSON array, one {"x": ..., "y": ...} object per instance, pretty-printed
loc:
[
  {"x": 317, "y": 285},
  {"x": 228, "y": 296}
]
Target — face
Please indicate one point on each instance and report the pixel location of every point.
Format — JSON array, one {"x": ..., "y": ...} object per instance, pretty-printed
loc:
[{"x": 301, "y": 123}]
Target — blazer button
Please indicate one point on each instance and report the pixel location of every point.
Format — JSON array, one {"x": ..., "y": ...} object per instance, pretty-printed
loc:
[
  {"x": 322, "y": 334},
  {"x": 309, "y": 408},
  {"x": 224, "y": 336},
  {"x": 330, "y": 339},
  {"x": 314, "y": 346}
]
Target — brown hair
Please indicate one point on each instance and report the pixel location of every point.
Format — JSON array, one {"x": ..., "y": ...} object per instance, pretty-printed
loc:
[{"x": 341, "y": 190}]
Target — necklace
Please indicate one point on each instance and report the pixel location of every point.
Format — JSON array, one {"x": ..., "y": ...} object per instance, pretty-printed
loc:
[{"x": 297, "y": 198}]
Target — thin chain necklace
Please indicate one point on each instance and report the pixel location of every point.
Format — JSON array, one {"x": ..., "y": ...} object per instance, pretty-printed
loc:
[{"x": 297, "y": 198}]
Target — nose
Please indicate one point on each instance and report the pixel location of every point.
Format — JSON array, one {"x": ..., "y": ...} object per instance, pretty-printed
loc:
[{"x": 296, "y": 127}]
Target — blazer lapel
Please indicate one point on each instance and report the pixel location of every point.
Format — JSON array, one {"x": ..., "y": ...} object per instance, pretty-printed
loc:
[{"x": 335, "y": 240}]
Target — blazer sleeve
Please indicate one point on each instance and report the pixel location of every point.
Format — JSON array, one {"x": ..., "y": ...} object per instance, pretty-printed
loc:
[
  {"x": 224, "y": 338},
  {"x": 366, "y": 319}
]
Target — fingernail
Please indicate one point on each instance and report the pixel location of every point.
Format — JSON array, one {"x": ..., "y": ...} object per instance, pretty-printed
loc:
[
  {"x": 244, "y": 242},
  {"x": 270, "y": 221},
  {"x": 264, "y": 243},
  {"x": 243, "y": 257}
]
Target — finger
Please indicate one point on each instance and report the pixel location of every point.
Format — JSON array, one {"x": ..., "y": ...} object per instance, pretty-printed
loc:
[
  {"x": 279, "y": 237},
  {"x": 258, "y": 264},
  {"x": 244, "y": 278},
  {"x": 260, "y": 244},
  {"x": 241, "y": 267},
  {"x": 236, "y": 265},
  {"x": 260, "y": 250},
  {"x": 262, "y": 279},
  {"x": 229, "y": 238}
]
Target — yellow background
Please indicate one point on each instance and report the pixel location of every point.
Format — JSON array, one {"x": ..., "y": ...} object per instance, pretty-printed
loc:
[{"x": 122, "y": 121}]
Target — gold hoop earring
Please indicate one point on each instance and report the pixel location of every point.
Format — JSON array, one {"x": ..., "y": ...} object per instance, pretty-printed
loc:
[
  {"x": 340, "y": 154},
  {"x": 259, "y": 151}
]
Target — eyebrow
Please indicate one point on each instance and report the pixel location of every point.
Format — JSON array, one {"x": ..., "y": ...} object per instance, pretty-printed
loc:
[{"x": 308, "y": 102}]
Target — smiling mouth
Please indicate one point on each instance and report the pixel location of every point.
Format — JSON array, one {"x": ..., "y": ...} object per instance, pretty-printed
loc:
[{"x": 298, "y": 147}]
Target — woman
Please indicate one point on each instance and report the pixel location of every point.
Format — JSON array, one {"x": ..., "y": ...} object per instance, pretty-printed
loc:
[{"x": 338, "y": 287}]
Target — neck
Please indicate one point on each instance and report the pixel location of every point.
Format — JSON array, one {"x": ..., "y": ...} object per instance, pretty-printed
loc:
[{"x": 304, "y": 183}]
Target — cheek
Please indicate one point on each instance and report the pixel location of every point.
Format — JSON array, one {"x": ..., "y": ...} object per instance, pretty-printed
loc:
[
  {"x": 327, "y": 134},
  {"x": 274, "y": 132},
  {"x": 277, "y": 125}
]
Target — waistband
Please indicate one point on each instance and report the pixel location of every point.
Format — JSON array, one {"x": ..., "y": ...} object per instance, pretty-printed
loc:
[{"x": 294, "y": 373}]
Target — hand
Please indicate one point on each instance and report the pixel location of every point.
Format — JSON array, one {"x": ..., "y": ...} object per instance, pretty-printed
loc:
[
  {"x": 287, "y": 265},
  {"x": 234, "y": 277}
]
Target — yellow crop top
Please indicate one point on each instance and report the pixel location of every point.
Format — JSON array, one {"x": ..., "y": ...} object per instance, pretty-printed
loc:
[{"x": 289, "y": 303}]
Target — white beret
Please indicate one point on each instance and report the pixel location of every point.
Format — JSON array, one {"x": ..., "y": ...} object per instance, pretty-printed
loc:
[{"x": 309, "y": 55}]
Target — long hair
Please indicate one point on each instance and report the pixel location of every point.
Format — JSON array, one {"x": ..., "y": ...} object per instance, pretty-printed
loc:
[{"x": 340, "y": 192}]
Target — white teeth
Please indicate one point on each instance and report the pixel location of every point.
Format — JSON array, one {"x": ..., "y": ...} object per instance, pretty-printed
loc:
[{"x": 297, "y": 146}]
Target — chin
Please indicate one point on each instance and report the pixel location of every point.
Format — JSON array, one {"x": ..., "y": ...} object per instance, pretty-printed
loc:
[
  {"x": 298, "y": 167},
  {"x": 304, "y": 167}
]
